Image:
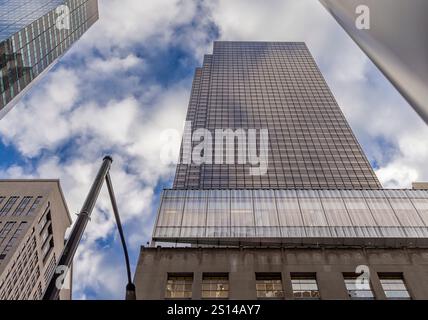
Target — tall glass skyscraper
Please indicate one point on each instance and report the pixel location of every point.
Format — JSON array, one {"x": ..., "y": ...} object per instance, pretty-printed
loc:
[
  {"x": 295, "y": 229},
  {"x": 33, "y": 35},
  {"x": 277, "y": 86}
]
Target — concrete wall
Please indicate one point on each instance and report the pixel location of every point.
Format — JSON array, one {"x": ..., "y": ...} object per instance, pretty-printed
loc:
[
  {"x": 52, "y": 201},
  {"x": 329, "y": 265},
  {"x": 420, "y": 185}
]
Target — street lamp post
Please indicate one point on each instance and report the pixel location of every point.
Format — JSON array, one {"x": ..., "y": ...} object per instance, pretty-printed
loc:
[{"x": 53, "y": 289}]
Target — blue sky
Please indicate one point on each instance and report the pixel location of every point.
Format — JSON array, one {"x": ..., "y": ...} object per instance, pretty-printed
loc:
[{"x": 128, "y": 80}]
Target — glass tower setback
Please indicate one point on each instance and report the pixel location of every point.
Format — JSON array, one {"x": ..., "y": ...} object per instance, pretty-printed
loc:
[
  {"x": 275, "y": 86},
  {"x": 33, "y": 35}
]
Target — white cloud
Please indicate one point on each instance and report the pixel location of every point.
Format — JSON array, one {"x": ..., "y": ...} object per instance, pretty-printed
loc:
[
  {"x": 111, "y": 123},
  {"x": 115, "y": 64},
  {"x": 409, "y": 164},
  {"x": 30, "y": 126},
  {"x": 128, "y": 23}
]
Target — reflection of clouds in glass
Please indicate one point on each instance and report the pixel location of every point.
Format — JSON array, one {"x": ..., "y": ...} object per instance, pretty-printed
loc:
[
  {"x": 38, "y": 45},
  {"x": 16, "y": 14}
]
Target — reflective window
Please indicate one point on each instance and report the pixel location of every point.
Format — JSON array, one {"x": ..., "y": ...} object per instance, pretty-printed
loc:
[
  {"x": 289, "y": 212},
  {"x": 242, "y": 217},
  {"x": 305, "y": 286},
  {"x": 179, "y": 286},
  {"x": 34, "y": 206},
  {"x": 394, "y": 287},
  {"x": 269, "y": 285},
  {"x": 278, "y": 213},
  {"x": 11, "y": 242},
  {"x": 16, "y": 14},
  {"x": 266, "y": 217},
  {"x": 171, "y": 212},
  {"x": 8, "y": 205},
  {"x": 382, "y": 212},
  {"x": 5, "y": 230},
  {"x": 422, "y": 206},
  {"x": 265, "y": 212},
  {"x": 312, "y": 212},
  {"x": 215, "y": 286},
  {"x": 242, "y": 212},
  {"x": 335, "y": 211},
  {"x": 195, "y": 211},
  {"x": 359, "y": 212},
  {"x": 22, "y": 206},
  {"x": 358, "y": 288},
  {"x": 218, "y": 217},
  {"x": 30, "y": 41},
  {"x": 218, "y": 212},
  {"x": 406, "y": 212}
]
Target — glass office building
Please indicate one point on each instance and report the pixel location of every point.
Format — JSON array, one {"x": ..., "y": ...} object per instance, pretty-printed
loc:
[
  {"x": 304, "y": 228},
  {"x": 33, "y": 35},
  {"x": 318, "y": 184},
  {"x": 274, "y": 86}
]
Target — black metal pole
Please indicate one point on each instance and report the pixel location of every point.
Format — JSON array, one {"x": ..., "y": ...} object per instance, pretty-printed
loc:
[
  {"x": 53, "y": 289},
  {"x": 130, "y": 287}
]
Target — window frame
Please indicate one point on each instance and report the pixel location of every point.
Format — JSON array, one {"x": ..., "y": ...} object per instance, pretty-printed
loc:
[
  {"x": 183, "y": 275},
  {"x": 222, "y": 276},
  {"x": 394, "y": 276},
  {"x": 262, "y": 277},
  {"x": 304, "y": 276}
]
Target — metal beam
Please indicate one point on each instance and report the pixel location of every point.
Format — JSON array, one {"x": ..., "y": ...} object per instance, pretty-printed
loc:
[{"x": 66, "y": 260}]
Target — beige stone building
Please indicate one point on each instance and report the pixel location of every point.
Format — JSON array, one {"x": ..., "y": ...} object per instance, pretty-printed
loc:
[{"x": 33, "y": 220}]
